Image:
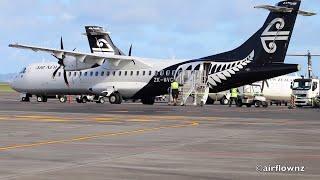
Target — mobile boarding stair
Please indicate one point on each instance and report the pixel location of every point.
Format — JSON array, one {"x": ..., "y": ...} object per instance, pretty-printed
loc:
[{"x": 193, "y": 84}]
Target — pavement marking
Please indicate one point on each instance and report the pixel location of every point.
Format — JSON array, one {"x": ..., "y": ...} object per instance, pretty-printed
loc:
[{"x": 95, "y": 136}]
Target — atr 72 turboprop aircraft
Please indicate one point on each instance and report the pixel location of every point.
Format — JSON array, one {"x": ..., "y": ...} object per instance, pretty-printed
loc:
[{"x": 106, "y": 71}]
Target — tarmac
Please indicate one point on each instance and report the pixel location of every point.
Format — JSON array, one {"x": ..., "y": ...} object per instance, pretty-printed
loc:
[{"x": 133, "y": 141}]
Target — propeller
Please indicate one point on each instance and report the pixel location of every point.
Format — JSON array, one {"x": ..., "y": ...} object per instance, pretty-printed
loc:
[
  {"x": 61, "y": 64},
  {"x": 130, "y": 53},
  {"x": 130, "y": 50},
  {"x": 264, "y": 82}
]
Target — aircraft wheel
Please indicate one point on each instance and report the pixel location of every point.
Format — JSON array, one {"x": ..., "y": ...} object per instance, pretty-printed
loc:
[
  {"x": 25, "y": 99},
  {"x": 44, "y": 99},
  {"x": 78, "y": 100},
  {"x": 63, "y": 99},
  {"x": 115, "y": 98}
]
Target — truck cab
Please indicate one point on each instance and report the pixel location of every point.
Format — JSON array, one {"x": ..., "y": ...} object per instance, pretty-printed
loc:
[{"x": 305, "y": 90}]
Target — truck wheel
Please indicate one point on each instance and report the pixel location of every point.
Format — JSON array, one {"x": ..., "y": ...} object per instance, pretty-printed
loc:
[
  {"x": 224, "y": 101},
  {"x": 63, "y": 99},
  {"x": 257, "y": 104},
  {"x": 39, "y": 99},
  {"x": 84, "y": 99},
  {"x": 101, "y": 100}
]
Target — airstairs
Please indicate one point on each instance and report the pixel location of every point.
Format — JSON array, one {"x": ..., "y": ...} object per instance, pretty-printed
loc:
[{"x": 193, "y": 86}]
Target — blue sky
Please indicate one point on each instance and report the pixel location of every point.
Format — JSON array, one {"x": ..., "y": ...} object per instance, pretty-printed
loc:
[{"x": 156, "y": 28}]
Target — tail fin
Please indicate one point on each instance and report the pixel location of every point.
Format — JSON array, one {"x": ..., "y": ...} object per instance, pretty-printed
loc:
[
  {"x": 100, "y": 41},
  {"x": 271, "y": 41}
]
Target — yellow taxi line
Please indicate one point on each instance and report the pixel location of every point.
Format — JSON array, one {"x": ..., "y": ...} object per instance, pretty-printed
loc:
[{"x": 95, "y": 136}]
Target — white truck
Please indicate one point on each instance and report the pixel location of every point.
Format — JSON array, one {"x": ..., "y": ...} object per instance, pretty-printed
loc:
[{"x": 305, "y": 91}]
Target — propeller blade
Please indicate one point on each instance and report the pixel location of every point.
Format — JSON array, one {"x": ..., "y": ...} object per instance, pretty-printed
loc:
[
  {"x": 130, "y": 50},
  {"x": 267, "y": 83},
  {"x": 55, "y": 72},
  {"x": 262, "y": 88},
  {"x": 65, "y": 77},
  {"x": 61, "y": 43},
  {"x": 74, "y": 49}
]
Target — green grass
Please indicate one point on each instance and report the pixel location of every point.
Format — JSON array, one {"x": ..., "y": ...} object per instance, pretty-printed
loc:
[{"x": 5, "y": 88}]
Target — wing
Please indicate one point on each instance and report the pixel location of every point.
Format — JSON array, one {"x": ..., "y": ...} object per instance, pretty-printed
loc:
[{"x": 83, "y": 57}]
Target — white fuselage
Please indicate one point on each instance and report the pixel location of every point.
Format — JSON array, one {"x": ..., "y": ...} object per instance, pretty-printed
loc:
[{"x": 127, "y": 79}]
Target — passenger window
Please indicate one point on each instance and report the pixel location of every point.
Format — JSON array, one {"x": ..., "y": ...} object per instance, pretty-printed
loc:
[
  {"x": 91, "y": 73},
  {"x": 131, "y": 73},
  {"x": 150, "y": 73},
  {"x": 138, "y": 73},
  {"x": 75, "y": 74},
  {"x": 69, "y": 74},
  {"x": 113, "y": 73},
  {"x": 119, "y": 73},
  {"x": 97, "y": 73},
  {"x": 108, "y": 73},
  {"x": 102, "y": 73},
  {"x": 59, "y": 74},
  {"x": 168, "y": 73},
  {"x": 144, "y": 73},
  {"x": 126, "y": 73},
  {"x": 80, "y": 73},
  {"x": 85, "y": 73}
]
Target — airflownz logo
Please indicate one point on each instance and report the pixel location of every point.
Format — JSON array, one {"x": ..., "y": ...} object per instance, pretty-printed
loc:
[
  {"x": 280, "y": 169},
  {"x": 273, "y": 36}
]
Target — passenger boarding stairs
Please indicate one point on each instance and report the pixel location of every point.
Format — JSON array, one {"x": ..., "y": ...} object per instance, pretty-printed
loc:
[{"x": 193, "y": 84}]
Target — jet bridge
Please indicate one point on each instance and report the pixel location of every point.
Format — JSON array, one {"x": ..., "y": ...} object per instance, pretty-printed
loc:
[{"x": 193, "y": 84}]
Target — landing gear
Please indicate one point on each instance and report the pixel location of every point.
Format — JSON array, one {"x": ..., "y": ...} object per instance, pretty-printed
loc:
[
  {"x": 42, "y": 99},
  {"x": 115, "y": 98},
  {"x": 148, "y": 100},
  {"x": 63, "y": 99},
  {"x": 25, "y": 97}
]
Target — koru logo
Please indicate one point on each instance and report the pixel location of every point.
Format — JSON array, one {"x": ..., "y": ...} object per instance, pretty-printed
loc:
[
  {"x": 102, "y": 46},
  {"x": 273, "y": 36},
  {"x": 102, "y": 43}
]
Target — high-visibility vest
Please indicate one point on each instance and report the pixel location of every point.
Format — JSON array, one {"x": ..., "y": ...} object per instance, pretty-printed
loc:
[
  {"x": 234, "y": 92},
  {"x": 175, "y": 85}
]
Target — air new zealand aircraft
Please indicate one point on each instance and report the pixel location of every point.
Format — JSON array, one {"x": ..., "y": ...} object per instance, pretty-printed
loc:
[{"x": 107, "y": 71}]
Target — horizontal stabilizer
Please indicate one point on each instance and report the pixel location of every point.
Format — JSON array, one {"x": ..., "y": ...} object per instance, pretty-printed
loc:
[
  {"x": 280, "y": 9},
  {"x": 275, "y": 8}
]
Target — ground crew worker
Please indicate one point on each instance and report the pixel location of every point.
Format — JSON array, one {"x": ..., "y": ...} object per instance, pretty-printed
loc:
[
  {"x": 175, "y": 91},
  {"x": 234, "y": 96}
]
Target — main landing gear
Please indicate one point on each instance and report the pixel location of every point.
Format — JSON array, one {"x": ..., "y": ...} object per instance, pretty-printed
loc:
[
  {"x": 42, "y": 98},
  {"x": 115, "y": 98}
]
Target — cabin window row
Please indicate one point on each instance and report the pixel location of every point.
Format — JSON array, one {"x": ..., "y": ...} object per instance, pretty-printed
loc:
[{"x": 120, "y": 73}]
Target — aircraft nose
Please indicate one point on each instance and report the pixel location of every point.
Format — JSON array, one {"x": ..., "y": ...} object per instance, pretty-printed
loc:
[{"x": 13, "y": 83}]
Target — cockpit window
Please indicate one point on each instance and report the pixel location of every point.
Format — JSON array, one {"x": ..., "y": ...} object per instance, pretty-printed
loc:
[{"x": 23, "y": 71}]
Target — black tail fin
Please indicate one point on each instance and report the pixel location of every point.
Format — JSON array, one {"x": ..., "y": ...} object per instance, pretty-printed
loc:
[
  {"x": 100, "y": 41},
  {"x": 271, "y": 41}
]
